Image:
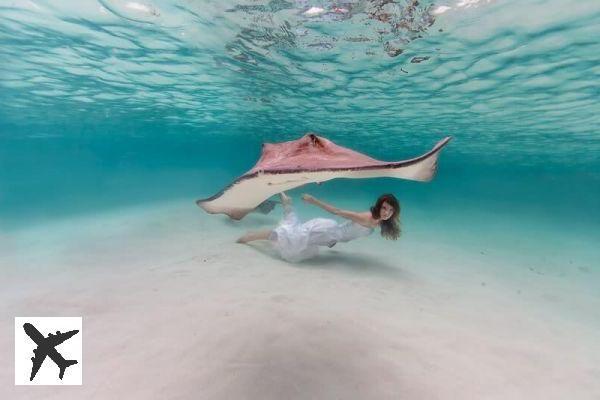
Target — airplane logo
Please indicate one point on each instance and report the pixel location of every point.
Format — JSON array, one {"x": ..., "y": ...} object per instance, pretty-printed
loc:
[{"x": 46, "y": 347}]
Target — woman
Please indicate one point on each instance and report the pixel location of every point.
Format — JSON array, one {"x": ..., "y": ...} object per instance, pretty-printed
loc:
[{"x": 296, "y": 241}]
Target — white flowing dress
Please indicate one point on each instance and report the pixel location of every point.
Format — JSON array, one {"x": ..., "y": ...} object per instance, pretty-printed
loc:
[{"x": 296, "y": 241}]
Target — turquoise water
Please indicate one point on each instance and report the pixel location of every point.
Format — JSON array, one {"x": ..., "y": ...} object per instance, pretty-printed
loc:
[{"x": 108, "y": 104}]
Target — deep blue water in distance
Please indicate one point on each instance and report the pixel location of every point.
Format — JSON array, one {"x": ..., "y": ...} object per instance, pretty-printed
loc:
[{"x": 108, "y": 103}]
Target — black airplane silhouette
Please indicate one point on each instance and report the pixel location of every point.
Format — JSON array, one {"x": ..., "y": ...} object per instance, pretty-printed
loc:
[{"x": 46, "y": 347}]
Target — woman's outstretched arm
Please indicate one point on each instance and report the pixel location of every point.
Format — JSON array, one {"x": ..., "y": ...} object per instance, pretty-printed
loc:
[{"x": 351, "y": 215}]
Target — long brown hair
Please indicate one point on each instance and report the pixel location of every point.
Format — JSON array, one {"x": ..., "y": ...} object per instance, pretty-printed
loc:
[{"x": 390, "y": 228}]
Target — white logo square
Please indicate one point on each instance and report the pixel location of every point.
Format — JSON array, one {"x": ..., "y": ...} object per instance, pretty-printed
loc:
[{"x": 48, "y": 350}]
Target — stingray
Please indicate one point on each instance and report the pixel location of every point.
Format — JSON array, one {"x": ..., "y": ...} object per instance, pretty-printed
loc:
[{"x": 310, "y": 159}]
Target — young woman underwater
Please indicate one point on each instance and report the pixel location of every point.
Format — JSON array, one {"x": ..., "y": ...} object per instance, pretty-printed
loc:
[{"x": 296, "y": 241}]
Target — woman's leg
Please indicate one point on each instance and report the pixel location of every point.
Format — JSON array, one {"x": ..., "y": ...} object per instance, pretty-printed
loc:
[
  {"x": 289, "y": 217},
  {"x": 255, "y": 235}
]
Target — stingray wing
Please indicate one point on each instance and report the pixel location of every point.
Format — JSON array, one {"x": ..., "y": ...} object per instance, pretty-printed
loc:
[{"x": 287, "y": 165}]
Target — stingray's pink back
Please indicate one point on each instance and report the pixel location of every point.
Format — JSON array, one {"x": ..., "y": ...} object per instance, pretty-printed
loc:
[
  {"x": 310, "y": 152},
  {"x": 287, "y": 165}
]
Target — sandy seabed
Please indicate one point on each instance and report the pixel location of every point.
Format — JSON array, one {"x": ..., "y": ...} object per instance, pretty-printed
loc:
[{"x": 173, "y": 308}]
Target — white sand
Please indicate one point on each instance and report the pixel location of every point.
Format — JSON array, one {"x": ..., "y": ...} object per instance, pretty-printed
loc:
[{"x": 174, "y": 309}]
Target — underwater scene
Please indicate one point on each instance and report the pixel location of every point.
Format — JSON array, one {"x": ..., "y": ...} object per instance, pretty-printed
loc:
[{"x": 117, "y": 116}]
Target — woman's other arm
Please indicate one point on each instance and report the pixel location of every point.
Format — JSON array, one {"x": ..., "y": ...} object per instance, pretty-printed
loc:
[{"x": 359, "y": 218}]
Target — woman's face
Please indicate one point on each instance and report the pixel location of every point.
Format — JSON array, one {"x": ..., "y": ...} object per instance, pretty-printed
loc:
[{"x": 386, "y": 211}]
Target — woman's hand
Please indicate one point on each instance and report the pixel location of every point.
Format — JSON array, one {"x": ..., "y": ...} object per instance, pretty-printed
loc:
[{"x": 308, "y": 198}]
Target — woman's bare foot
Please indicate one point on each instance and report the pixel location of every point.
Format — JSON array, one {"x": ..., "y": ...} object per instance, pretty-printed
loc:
[
  {"x": 285, "y": 199},
  {"x": 257, "y": 235}
]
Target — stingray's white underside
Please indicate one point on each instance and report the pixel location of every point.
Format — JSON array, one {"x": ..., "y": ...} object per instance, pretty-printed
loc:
[{"x": 248, "y": 191}]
